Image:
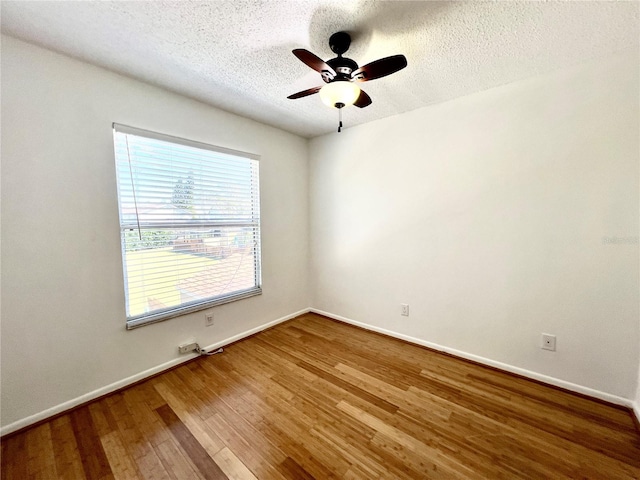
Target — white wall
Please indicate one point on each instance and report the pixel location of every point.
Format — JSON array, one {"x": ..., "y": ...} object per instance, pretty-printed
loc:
[
  {"x": 486, "y": 214},
  {"x": 63, "y": 321}
]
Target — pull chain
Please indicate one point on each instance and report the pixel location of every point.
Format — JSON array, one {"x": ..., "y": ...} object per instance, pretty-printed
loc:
[{"x": 339, "y": 106}]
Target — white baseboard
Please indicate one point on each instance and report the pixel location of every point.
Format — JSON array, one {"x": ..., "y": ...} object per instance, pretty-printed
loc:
[
  {"x": 50, "y": 412},
  {"x": 492, "y": 363},
  {"x": 636, "y": 411}
]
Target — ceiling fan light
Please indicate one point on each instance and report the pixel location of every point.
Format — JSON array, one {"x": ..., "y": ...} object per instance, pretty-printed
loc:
[{"x": 339, "y": 92}]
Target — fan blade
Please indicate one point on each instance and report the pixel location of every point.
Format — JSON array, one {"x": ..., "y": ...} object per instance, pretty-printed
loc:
[
  {"x": 304, "y": 93},
  {"x": 313, "y": 61},
  {"x": 363, "y": 100},
  {"x": 380, "y": 68}
]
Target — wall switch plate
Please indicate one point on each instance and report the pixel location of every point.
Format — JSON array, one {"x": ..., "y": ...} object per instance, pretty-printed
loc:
[
  {"x": 548, "y": 342},
  {"x": 404, "y": 309},
  {"x": 208, "y": 319}
]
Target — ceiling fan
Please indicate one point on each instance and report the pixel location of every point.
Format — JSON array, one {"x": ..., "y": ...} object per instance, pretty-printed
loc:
[{"x": 342, "y": 75}]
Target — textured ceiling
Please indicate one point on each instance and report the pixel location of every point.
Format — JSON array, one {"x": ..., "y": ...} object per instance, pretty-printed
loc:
[{"x": 236, "y": 55}]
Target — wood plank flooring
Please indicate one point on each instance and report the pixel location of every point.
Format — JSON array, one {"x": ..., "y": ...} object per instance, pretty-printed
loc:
[{"x": 314, "y": 398}]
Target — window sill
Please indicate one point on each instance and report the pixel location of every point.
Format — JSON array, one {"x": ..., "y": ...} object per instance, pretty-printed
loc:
[{"x": 148, "y": 319}]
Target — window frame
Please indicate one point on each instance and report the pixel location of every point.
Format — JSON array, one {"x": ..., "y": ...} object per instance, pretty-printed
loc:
[{"x": 184, "y": 308}]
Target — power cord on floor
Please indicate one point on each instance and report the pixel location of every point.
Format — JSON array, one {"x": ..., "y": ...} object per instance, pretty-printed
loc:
[{"x": 208, "y": 354}]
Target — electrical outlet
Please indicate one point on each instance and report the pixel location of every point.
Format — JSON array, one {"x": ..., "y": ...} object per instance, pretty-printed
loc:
[
  {"x": 548, "y": 342},
  {"x": 404, "y": 309},
  {"x": 208, "y": 319},
  {"x": 187, "y": 347}
]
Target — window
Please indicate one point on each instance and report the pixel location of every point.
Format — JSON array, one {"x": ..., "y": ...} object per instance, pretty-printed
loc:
[{"x": 189, "y": 224}]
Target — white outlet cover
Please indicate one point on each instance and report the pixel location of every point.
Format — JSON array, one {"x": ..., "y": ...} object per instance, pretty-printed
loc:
[{"x": 548, "y": 342}]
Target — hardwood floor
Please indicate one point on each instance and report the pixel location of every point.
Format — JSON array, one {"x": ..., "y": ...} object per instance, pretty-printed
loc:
[{"x": 314, "y": 398}]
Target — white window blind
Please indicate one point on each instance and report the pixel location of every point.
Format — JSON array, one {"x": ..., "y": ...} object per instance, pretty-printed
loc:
[{"x": 189, "y": 224}]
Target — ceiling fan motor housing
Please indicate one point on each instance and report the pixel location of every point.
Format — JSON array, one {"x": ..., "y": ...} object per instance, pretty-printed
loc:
[
  {"x": 339, "y": 43},
  {"x": 343, "y": 67}
]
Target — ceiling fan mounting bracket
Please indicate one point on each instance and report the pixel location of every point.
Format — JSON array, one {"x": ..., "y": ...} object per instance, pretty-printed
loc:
[{"x": 339, "y": 42}]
